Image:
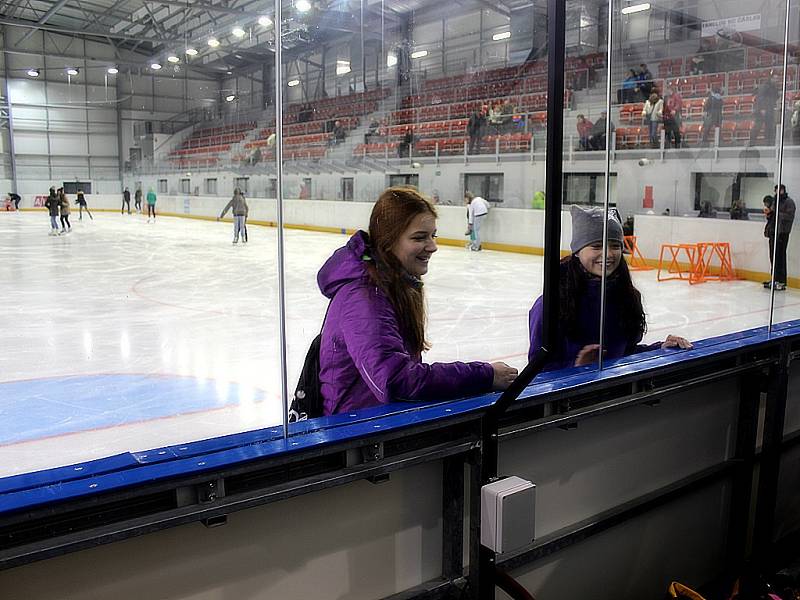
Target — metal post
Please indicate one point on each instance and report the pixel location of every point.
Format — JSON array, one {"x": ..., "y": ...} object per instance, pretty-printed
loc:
[
  {"x": 279, "y": 189},
  {"x": 11, "y": 149}
]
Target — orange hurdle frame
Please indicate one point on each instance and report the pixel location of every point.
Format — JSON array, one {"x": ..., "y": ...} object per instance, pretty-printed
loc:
[
  {"x": 636, "y": 261},
  {"x": 700, "y": 257}
]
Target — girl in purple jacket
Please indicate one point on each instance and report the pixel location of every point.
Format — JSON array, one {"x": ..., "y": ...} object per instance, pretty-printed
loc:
[
  {"x": 578, "y": 335},
  {"x": 374, "y": 334}
]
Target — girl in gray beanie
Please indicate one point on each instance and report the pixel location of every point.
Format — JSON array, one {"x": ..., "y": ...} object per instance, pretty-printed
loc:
[{"x": 578, "y": 334}]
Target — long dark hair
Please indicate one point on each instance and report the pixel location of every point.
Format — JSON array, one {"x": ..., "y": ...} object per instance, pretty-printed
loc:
[
  {"x": 572, "y": 284},
  {"x": 392, "y": 214}
]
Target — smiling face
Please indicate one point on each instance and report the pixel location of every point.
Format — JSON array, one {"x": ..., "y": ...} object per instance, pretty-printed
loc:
[
  {"x": 591, "y": 257},
  {"x": 416, "y": 244}
]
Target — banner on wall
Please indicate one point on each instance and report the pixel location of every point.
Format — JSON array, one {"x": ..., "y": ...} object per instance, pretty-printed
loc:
[
  {"x": 38, "y": 201},
  {"x": 743, "y": 23}
]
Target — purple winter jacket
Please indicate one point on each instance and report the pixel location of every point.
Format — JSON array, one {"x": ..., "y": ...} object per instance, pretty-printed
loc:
[{"x": 364, "y": 360}]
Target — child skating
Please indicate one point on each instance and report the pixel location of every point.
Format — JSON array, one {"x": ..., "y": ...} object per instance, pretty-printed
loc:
[
  {"x": 238, "y": 205},
  {"x": 81, "y": 202}
]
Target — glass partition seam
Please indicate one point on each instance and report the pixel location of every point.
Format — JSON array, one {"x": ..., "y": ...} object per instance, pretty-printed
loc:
[
  {"x": 279, "y": 201},
  {"x": 609, "y": 37},
  {"x": 779, "y": 141}
]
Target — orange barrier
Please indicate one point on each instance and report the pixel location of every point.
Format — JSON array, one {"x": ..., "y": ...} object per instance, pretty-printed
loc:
[
  {"x": 701, "y": 258},
  {"x": 636, "y": 261},
  {"x": 674, "y": 269}
]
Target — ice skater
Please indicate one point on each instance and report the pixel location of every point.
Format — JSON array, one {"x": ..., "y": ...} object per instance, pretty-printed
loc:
[
  {"x": 577, "y": 339},
  {"x": 238, "y": 205},
  {"x": 81, "y": 202},
  {"x": 477, "y": 209},
  {"x": 52, "y": 205},
  {"x": 137, "y": 200},
  {"x": 63, "y": 205},
  {"x": 151, "y": 204},
  {"x": 15, "y": 198},
  {"x": 126, "y": 199},
  {"x": 374, "y": 333},
  {"x": 778, "y": 225}
]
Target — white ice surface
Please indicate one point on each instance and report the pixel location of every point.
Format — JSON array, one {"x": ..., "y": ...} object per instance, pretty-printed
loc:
[{"x": 175, "y": 298}]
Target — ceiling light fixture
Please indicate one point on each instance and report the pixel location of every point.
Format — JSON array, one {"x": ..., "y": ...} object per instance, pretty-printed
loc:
[
  {"x": 33, "y": 72},
  {"x": 264, "y": 21},
  {"x": 293, "y": 82},
  {"x": 629, "y": 10},
  {"x": 113, "y": 70},
  {"x": 391, "y": 60},
  {"x": 419, "y": 54},
  {"x": 72, "y": 71},
  {"x": 342, "y": 67},
  {"x": 155, "y": 66},
  {"x": 238, "y": 32},
  {"x": 191, "y": 52},
  {"x": 302, "y": 5},
  {"x": 230, "y": 97},
  {"x": 501, "y": 36},
  {"x": 213, "y": 42},
  {"x": 173, "y": 59}
]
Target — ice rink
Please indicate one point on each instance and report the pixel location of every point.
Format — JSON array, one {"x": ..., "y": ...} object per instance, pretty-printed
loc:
[{"x": 126, "y": 336}]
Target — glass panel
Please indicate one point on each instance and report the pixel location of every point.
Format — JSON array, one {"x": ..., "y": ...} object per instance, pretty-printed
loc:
[{"x": 695, "y": 104}]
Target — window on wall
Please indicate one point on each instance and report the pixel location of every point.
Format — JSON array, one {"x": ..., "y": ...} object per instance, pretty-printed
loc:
[
  {"x": 347, "y": 189},
  {"x": 162, "y": 186},
  {"x": 586, "y": 188},
  {"x": 410, "y": 180},
  {"x": 186, "y": 186},
  {"x": 487, "y": 185},
  {"x": 211, "y": 186},
  {"x": 72, "y": 187},
  {"x": 721, "y": 190},
  {"x": 241, "y": 183}
]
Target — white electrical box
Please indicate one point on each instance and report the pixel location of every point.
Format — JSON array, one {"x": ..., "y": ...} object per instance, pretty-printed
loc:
[{"x": 507, "y": 514}]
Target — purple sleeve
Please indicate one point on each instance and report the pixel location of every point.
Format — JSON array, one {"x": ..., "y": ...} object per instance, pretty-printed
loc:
[
  {"x": 535, "y": 328},
  {"x": 373, "y": 340}
]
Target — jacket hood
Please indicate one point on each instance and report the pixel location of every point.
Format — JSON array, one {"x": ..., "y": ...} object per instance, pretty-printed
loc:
[{"x": 345, "y": 265}]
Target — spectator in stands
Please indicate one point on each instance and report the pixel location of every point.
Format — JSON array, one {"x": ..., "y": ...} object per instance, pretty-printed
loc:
[
  {"x": 579, "y": 285},
  {"x": 779, "y": 223},
  {"x": 673, "y": 117},
  {"x": 738, "y": 211},
  {"x": 646, "y": 83},
  {"x": 707, "y": 210},
  {"x": 137, "y": 200},
  {"x": 584, "y": 127},
  {"x": 697, "y": 65},
  {"x": 496, "y": 119},
  {"x": 507, "y": 110},
  {"x": 305, "y": 113},
  {"x": 475, "y": 129},
  {"x": 404, "y": 147},
  {"x": 477, "y": 210},
  {"x": 764, "y": 113},
  {"x": 15, "y": 199},
  {"x": 630, "y": 88},
  {"x": 597, "y": 141},
  {"x": 255, "y": 157},
  {"x": 713, "y": 113},
  {"x": 795, "y": 122},
  {"x": 338, "y": 133},
  {"x": 126, "y": 199},
  {"x": 374, "y": 332},
  {"x": 238, "y": 205},
  {"x": 372, "y": 131},
  {"x": 652, "y": 113}
]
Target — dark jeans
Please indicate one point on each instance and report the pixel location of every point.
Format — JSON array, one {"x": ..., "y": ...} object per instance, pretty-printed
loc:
[
  {"x": 137, "y": 204},
  {"x": 765, "y": 119},
  {"x": 151, "y": 208},
  {"x": 474, "y": 144},
  {"x": 709, "y": 125},
  {"x": 128, "y": 202},
  {"x": 780, "y": 256},
  {"x": 672, "y": 131},
  {"x": 80, "y": 212},
  {"x": 65, "y": 222}
]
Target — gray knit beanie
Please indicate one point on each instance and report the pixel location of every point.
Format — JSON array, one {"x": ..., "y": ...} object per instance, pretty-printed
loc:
[{"x": 587, "y": 227}]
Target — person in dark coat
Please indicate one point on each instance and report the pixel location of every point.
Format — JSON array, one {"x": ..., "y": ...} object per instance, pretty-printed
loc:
[
  {"x": 126, "y": 199},
  {"x": 597, "y": 140},
  {"x": 53, "y": 205},
  {"x": 780, "y": 218},
  {"x": 137, "y": 200},
  {"x": 764, "y": 112},
  {"x": 577, "y": 339},
  {"x": 374, "y": 333},
  {"x": 475, "y": 130},
  {"x": 713, "y": 113}
]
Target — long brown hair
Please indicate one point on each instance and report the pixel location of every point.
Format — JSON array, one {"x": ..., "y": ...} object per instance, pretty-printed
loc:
[{"x": 392, "y": 214}]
